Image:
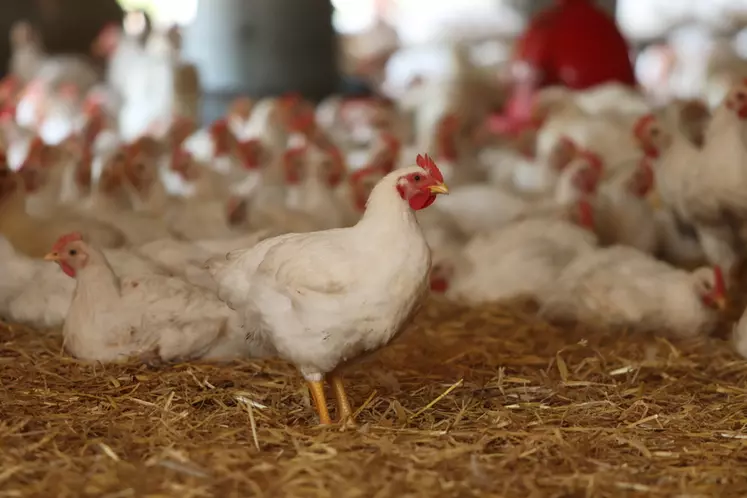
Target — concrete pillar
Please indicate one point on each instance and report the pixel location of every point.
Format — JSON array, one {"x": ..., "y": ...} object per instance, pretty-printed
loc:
[{"x": 261, "y": 48}]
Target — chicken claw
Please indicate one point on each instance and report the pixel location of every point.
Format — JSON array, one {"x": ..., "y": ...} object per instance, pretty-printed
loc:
[
  {"x": 344, "y": 411},
  {"x": 320, "y": 402}
]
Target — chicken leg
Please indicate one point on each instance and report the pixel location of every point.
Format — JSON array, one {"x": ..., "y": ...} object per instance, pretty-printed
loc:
[
  {"x": 320, "y": 402},
  {"x": 344, "y": 411}
]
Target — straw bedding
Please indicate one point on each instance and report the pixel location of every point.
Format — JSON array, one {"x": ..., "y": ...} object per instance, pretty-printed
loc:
[{"x": 469, "y": 402}]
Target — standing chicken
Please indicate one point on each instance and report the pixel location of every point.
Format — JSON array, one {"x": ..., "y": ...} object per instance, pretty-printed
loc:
[{"x": 322, "y": 299}]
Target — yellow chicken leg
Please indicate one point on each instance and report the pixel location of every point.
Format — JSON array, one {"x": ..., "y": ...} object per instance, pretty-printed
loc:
[
  {"x": 320, "y": 402},
  {"x": 344, "y": 411}
]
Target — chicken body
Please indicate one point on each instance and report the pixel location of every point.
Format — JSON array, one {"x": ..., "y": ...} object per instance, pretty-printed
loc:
[
  {"x": 322, "y": 299},
  {"x": 532, "y": 255},
  {"x": 623, "y": 287},
  {"x": 148, "y": 316},
  {"x": 37, "y": 294}
]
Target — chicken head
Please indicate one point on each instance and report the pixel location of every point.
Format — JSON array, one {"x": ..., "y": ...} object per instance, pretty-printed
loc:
[
  {"x": 587, "y": 178},
  {"x": 711, "y": 287},
  {"x": 420, "y": 189},
  {"x": 333, "y": 166},
  {"x": 440, "y": 276},
  {"x": 220, "y": 134},
  {"x": 138, "y": 168},
  {"x": 650, "y": 136},
  {"x": 293, "y": 164},
  {"x": 183, "y": 164},
  {"x": 70, "y": 252},
  {"x": 642, "y": 180},
  {"x": 562, "y": 153},
  {"x": 583, "y": 214},
  {"x": 251, "y": 153},
  {"x": 241, "y": 108}
]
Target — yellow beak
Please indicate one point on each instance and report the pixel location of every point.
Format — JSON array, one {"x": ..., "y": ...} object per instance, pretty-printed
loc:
[
  {"x": 721, "y": 303},
  {"x": 52, "y": 256},
  {"x": 654, "y": 200},
  {"x": 439, "y": 189}
]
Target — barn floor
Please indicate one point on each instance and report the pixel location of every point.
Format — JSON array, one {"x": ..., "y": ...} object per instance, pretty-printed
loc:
[{"x": 470, "y": 402}]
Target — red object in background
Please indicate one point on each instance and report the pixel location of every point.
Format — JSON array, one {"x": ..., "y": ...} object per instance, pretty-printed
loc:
[
  {"x": 573, "y": 44},
  {"x": 576, "y": 44}
]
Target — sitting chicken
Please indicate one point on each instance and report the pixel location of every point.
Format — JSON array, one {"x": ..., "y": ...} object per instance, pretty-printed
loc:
[
  {"x": 623, "y": 287},
  {"x": 482, "y": 207},
  {"x": 38, "y": 295},
  {"x": 520, "y": 260},
  {"x": 322, "y": 299},
  {"x": 150, "y": 316}
]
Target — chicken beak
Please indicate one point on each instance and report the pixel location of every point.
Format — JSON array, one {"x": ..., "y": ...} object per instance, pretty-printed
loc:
[
  {"x": 439, "y": 189},
  {"x": 654, "y": 200},
  {"x": 52, "y": 256},
  {"x": 721, "y": 303}
]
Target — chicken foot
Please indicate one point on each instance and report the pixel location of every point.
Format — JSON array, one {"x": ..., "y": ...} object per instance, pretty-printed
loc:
[
  {"x": 344, "y": 410},
  {"x": 320, "y": 401}
]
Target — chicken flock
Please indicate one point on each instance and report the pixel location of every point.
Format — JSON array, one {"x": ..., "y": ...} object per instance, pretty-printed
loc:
[{"x": 311, "y": 233}]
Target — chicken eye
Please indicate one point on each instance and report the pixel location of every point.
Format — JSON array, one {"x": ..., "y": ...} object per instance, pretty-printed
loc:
[
  {"x": 740, "y": 96},
  {"x": 654, "y": 132},
  {"x": 416, "y": 178},
  {"x": 72, "y": 252}
]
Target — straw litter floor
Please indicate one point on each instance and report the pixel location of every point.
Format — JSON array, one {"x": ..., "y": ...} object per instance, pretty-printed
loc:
[{"x": 470, "y": 402}]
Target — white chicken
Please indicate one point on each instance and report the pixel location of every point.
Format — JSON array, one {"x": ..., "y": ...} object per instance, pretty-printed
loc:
[
  {"x": 624, "y": 215},
  {"x": 37, "y": 294},
  {"x": 152, "y": 317},
  {"x": 315, "y": 173},
  {"x": 305, "y": 294},
  {"x": 623, "y": 287},
  {"x": 519, "y": 260},
  {"x": 687, "y": 183},
  {"x": 482, "y": 207}
]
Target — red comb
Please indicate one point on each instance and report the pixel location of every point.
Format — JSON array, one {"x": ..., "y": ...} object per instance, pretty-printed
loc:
[
  {"x": 428, "y": 165},
  {"x": 65, "y": 240},
  {"x": 289, "y": 99},
  {"x": 719, "y": 284},
  {"x": 641, "y": 125},
  {"x": 586, "y": 214},
  {"x": 293, "y": 153},
  {"x": 567, "y": 141},
  {"x": 594, "y": 160},
  {"x": 219, "y": 125},
  {"x": 303, "y": 122},
  {"x": 250, "y": 151}
]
